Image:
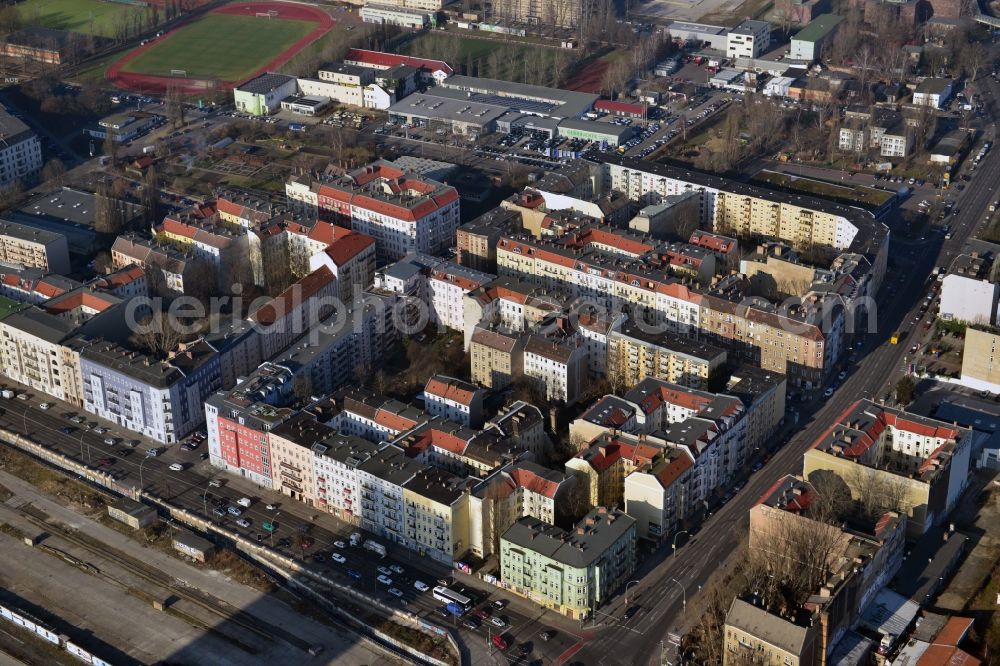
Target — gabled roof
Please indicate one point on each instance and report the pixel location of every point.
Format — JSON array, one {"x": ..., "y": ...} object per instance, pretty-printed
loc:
[
  {"x": 449, "y": 388},
  {"x": 384, "y": 60}
]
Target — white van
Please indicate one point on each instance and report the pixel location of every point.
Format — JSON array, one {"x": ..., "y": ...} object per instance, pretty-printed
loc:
[{"x": 244, "y": 502}]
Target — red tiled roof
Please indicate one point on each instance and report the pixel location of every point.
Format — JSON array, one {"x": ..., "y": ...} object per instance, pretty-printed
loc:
[
  {"x": 619, "y": 107},
  {"x": 451, "y": 389},
  {"x": 295, "y": 295},
  {"x": 954, "y": 631},
  {"x": 528, "y": 480},
  {"x": 946, "y": 655},
  {"x": 387, "y": 60},
  {"x": 348, "y": 246},
  {"x": 392, "y": 421},
  {"x": 674, "y": 469}
]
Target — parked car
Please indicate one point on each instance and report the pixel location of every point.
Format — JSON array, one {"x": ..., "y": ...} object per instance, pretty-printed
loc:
[
  {"x": 395, "y": 591},
  {"x": 420, "y": 585},
  {"x": 353, "y": 573},
  {"x": 45, "y": 405},
  {"x": 235, "y": 511},
  {"x": 339, "y": 544},
  {"x": 385, "y": 571},
  {"x": 498, "y": 622},
  {"x": 243, "y": 522},
  {"x": 500, "y": 603},
  {"x": 396, "y": 568},
  {"x": 470, "y": 624},
  {"x": 630, "y": 612},
  {"x": 338, "y": 558},
  {"x": 385, "y": 580},
  {"x": 176, "y": 467}
]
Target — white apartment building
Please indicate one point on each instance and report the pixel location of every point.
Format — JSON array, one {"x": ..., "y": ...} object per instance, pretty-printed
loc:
[
  {"x": 380, "y": 480},
  {"x": 657, "y": 495},
  {"x": 933, "y": 92},
  {"x": 560, "y": 367},
  {"x": 749, "y": 39},
  {"x": 28, "y": 247},
  {"x": 34, "y": 354},
  {"x": 20, "y": 151},
  {"x": 455, "y": 400},
  {"x": 348, "y": 84},
  {"x": 403, "y": 212},
  {"x": 335, "y": 474},
  {"x": 447, "y": 286},
  {"x": 967, "y": 294}
]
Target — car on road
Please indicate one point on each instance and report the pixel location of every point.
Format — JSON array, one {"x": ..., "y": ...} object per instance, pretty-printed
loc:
[
  {"x": 105, "y": 462},
  {"x": 110, "y": 441},
  {"x": 385, "y": 580},
  {"x": 354, "y": 573},
  {"x": 339, "y": 544},
  {"x": 395, "y": 591},
  {"x": 500, "y": 603},
  {"x": 153, "y": 452},
  {"x": 243, "y": 522},
  {"x": 842, "y": 375},
  {"x": 525, "y": 649},
  {"x": 132, "y": 443},
  {"x": 498, "y": 622},
  {"x": 384, "y": 570},
  {"x": 442, "y": 611},
  {"x": 100, "y": 430},
  {"x": 547, "y": 635},
  {"x": 338, "y": 558},
  {"x": 470, "y": 624},
  {"x": 215, "y": 483},
  {"x": 66, "y": 430},
  {"x": 78, "y": 420},
  {"x": 630, "y": 612},
  {"x": 44, "y": 406},
  {"x": 827, "y": 393},
  {"x": 420, "y": 585},
  {"x": 219, "y": 512},
  {"x": 319, "y": 557},
  {"x": 480, "y": 613},
  {"x": 499, "y": 643},
  {"x": 396, "y": 568},
  {"x": 244, "y": 502},
  {"x": 271, "y": 507},
  {"x": 176, "y": 467},
  {"x": 235, "y": 510}
]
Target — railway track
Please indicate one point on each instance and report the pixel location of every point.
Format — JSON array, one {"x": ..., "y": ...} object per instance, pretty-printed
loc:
[{"x": 153, "y": 575}]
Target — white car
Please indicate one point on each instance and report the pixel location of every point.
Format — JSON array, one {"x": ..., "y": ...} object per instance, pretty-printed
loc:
[
  {"x": 827, "y": 393},
  {"x": 396, "y": 568},
  {"x": 395, "y": 591},
  {"x": 176, "y": 467},
  {"x": 339, "y": 544},
  {"x": 385, "y": 571},
  {"x": 385, "y": 580},
  {"x": 110, "y": 441},
  {"x": 270, "y": 507},
  {"x": 420, "y": 585},
  {"x": 497, "y": 622},
  {"x": 44, "y": 405},
  {"x": 243, "y": 522},
  {"x": 338, "y": 558},
  {"x": 244, "y": 502}
]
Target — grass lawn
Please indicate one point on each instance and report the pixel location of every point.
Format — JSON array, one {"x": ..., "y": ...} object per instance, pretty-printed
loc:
[
  {"x": 510, "y": 66},
  {"x": 220, "y": 46},
  {"x": 86, "y": 16}
]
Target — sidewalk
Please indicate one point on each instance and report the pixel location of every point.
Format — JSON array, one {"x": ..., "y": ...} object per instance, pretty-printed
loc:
[{"x": 262, "y": 606}]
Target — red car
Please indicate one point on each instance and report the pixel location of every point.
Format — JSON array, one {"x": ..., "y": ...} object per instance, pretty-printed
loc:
[
  {"x": 480, "y": 614},
  {"x": 499, "y": 642}
]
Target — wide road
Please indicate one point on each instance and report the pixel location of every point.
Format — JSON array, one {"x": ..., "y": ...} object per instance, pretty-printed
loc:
[{"x": 660, "y": 593}]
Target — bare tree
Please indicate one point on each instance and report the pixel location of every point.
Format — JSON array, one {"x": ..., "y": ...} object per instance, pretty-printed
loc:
[{"x": 158, "y": 335}]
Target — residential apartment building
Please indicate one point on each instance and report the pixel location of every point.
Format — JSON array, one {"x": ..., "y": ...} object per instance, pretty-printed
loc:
[
  {"x": 403, "y": 212},
  {"x": 348, "y": 255},
  {"x": 921, "y": 464},
  {"x": 496, "y": 358},
  {"x": 238, "y": 422},
  {"x": 883, "y": 130},
  {"x": 34, "y": 353},
  {"x": 657, "y": 494},
  {"x": 436, "y": 509},
  {"x": 292, "y": 444},
  {"x": 981, "y": 360},
  {"x": 225, "y": 251},
  {"x": 524, "y": 426},
  {"x": 162, "y": 400},
  {"x": 933, "y": 92},
  {"x": 634, "y": 354},
  {"x": 967, "y": 293},
  {"x": 475, "y": 241},
  {"x": 295, "y": 311},
  {"x": 561, "y": 13},
  {"x": 604, "y": 463},
  {"x": 575, "y": 572},
  {"x": 20, "y": 154},
  {"x": 511, "y": 492},
  {"x": 558, "y": 366},
  {"x": 133, "y": 250},
  {"x": 454, "y": 400},
  {"x": 28, "y": 247}
]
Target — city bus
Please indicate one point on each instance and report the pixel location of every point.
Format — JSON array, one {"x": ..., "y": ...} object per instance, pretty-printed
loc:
[{"x": 442, "y": 593}]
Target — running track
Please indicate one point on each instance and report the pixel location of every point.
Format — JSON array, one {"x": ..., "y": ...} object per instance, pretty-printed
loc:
[{"x": 150, "y": 83}]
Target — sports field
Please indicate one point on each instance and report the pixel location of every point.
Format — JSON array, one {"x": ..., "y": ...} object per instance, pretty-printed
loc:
[
  {"x": 86, "y": 16},
  {"x": 220, "y": 46}
]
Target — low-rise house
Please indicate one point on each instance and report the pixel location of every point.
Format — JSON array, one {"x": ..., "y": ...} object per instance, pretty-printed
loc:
[{"x": 455, "y": 400}]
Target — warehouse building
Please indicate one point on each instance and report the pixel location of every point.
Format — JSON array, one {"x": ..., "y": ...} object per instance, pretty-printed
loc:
[
  {"x": 590, "y": 130},
  {"x": 458, "y": 116},
  {"x": 712, "y": 35},
  {"x": 262, "y": 95},
  {"x": 808, "y": 43},
  {"x": 529, "y": 99},
  {"x": 414, "y": 19}
]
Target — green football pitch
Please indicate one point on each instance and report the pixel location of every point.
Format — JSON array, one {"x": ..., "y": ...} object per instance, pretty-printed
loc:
[
  {"x": 225, "y": 47},
  {"x": 86, "y": 16}
]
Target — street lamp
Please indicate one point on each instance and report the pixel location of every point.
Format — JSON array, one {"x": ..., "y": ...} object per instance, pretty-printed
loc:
[
  {"x": 82, "y": 433},
  {"x": 141, "y": 484},
  {"x": 274, "y": 526},
  {"x": 673, "y": 546},
  {"x": 684, "y": 598},
  {"x": 631, "y": 582}
]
